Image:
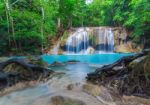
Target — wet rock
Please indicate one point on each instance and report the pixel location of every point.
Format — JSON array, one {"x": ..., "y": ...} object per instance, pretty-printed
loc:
[
  {"x": 36, "y": 60},
  {"x": 3, "y": 80},
  {"x": 127, "y": 48},
  {"x": 95, "y": 35},
  {"x": 139, "y": 78},
  {"x": 133, "y": 100},
  {"x": 72, "y": 61},
  {"x": 19, "y": 70},
  {"x": 100, "y": 92},
  {"x": 2, "y": 59},
  {"x": 92, "y": 89},
  {"x": 129, "y": 75},
  {"x": 60, "y": 100},
  {"x": 70, "y": 87},
  {"x": 57, "y": 64},
  {"x": 90, "y": 50}
]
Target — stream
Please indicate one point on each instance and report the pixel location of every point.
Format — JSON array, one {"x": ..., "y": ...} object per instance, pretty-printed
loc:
[
  {"x": 68, "y": 84},
  {"x": 57, "y": 86}
]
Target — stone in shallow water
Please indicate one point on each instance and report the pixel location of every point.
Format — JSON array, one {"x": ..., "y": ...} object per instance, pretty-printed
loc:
[
  {"x": 57, "y": 64},
  {"x": 100, "y": 92},
  {"x": 70, "y": 87},
  {"x": 60, "y": 100},
  {"x": 91, "y": 89},
  {"x": 72, "y": 61}
]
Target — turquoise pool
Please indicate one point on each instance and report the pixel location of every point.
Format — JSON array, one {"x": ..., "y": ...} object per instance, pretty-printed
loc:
[{"x": 90, "y": 59}]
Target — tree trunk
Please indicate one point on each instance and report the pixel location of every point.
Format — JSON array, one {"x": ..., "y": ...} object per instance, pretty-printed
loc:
[
  {"x": 10, "y": 19},
  {"x": 42, "y": 29},
  {"x": 7, "y": 17}
]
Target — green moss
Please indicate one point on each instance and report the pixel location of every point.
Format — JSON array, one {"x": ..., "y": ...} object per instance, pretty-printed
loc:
[
  {"x": 65, "y": 35},
  {"x": 37, "y": 61}
]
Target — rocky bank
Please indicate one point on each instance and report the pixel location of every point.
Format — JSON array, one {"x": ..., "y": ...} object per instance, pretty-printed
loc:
[
  {"x": 94, "y": 39},
  {"x": 22, "y": 71},
  {"x": 128, "y": 76}
]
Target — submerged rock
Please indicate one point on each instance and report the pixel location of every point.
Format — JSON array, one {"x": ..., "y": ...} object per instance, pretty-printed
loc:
[
  {"x": 60, "y": 100},
  {"x": 72, "y": 61},
  {"x": 100, "y": 92},
  {"x": 92, "y": 89},
  {"x": 57, "y": 64},
  {"x": 36, "y": 60},
  {"x": 70, "y": 86}
]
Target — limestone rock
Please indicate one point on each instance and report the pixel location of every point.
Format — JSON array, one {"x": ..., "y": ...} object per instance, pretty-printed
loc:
[
  {"x": 57, "y": 64},
  {"x": 60, "y": 100},
  {"x": 92, "y": 89},
  {"x": 129, "y": 75},
  {"x": 18, "y": 70},
  {"x": 90, "y": 50}
]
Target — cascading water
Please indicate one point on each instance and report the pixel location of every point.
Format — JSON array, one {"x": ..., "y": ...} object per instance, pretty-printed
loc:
[
  {"x": 105, "y": 40},
  {"x": 79, "y": 41}
]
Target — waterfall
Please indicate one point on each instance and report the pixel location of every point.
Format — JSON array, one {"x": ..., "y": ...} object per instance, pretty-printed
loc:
[
  {"x": 78, "y": 42},
  {"x": 105, "y": 40}
]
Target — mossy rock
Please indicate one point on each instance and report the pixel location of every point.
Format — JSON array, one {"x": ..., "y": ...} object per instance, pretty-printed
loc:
[
  {"x": 92, "y": 89},
  {"x": 60, "y": 100},
  {"x": 142, "y": 67},
  {"x": 138, "y": 78},
  {"x": 3, "y": 59},
  {"x": 15, "y": 68},
  {"x": 37, "y": 61}
]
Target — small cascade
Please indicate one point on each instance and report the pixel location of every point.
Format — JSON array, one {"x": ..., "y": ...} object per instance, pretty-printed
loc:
[
  {"x": 56, "y": 49},
  {"x": 105, "y": 40},
  {"x": 78, "y": 42}
]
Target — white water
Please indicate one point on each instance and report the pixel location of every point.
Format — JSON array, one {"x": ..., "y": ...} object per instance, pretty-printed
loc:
[
  {"x": 106, "y": 37},
  {"x": 79, "y": 41}
]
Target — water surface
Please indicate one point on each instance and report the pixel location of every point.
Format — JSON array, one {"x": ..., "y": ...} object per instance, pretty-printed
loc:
[
  {"x": 74, "y": 74},
  {"x": 90, "y": 59}
]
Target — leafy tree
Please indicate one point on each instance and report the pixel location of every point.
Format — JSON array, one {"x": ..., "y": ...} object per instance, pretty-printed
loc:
[{"x": 29, "y": 26}]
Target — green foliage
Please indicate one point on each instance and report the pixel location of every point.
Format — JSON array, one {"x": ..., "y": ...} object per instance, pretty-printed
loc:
[
  {"x": 27, "y": 25},
  {"x": 21, "y": 22}
]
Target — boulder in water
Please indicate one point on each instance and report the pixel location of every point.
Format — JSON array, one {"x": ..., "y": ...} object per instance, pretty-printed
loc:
[
  {"x": 90, "y": 50},
  {"x": 72, "y": 61},
  {"x": 57, "y": 64},
  {"x": 17, "y": 70},
  {"x": 61, "y": 100}
]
